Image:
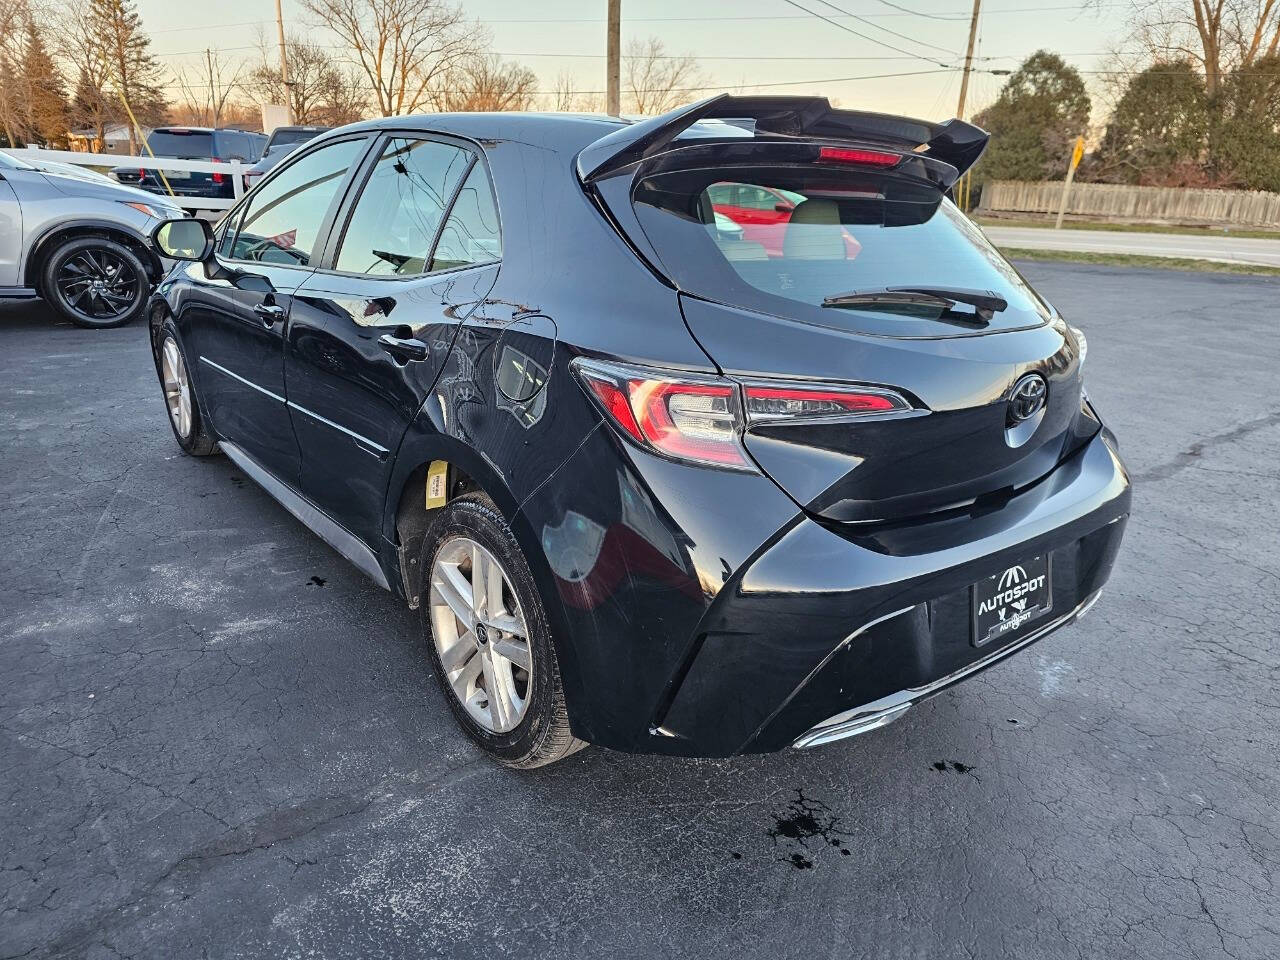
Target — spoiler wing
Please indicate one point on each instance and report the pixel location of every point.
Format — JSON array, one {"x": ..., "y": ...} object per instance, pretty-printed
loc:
[{"x": 953, "y": 142}]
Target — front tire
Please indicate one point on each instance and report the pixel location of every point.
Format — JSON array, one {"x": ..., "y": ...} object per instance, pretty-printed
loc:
[
  {"x": 95, "y": 282},
  {"x": 490, "y": 643},
  {"x": 180, "y": 401}
]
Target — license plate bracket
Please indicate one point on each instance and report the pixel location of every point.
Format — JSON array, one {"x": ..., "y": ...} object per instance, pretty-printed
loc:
[{"x": 1006, "y": 603}]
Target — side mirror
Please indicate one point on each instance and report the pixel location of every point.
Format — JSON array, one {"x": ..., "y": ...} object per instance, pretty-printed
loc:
[{"x": 185, "y": 239}]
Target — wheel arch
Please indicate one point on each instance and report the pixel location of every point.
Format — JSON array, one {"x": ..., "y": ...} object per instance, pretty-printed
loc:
[
  {"x": 49, "y": 240},
  {"x": 408, "y": 519}
]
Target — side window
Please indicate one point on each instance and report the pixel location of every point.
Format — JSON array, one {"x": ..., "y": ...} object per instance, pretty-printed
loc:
[
  {"x": 396, "y": 217},
  {"x": 756, "y": 198},
  {"x": 470, "y": 235},
  {"x": 721, "y": 194},
  {"x": 282, "y": 223},
  {"x": 227, "y": 232}
]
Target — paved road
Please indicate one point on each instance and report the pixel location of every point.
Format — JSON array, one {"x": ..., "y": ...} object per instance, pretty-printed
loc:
[
  {"x": 218, "y": 740},
  {"x": 1190, "y": 246}
]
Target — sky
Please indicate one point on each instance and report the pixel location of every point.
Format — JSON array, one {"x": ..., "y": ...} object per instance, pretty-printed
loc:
[{"x": 771, "y": 43}]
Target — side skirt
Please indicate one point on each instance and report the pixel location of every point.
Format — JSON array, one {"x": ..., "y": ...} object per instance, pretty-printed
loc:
[
  {"x": 18, "y": 293},
  {"x": 312, "y": 517}
]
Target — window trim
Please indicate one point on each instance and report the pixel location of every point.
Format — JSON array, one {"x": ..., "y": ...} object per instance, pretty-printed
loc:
[
  {"x": 325, "y": 263},
  {"x": 326, "y": 223}
]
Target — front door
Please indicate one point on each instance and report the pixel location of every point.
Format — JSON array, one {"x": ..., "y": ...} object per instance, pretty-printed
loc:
[
  {"x": 370, "y": 331},
  {"x": 234, "y": 324},
  {"x": 10, "y": 236}
]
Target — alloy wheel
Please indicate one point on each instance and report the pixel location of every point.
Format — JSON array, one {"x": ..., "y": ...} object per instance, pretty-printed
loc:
[
  {"x": 98, "y": 284},
  {"x": 480, "y": 634},
  {"x": 177, "y": 387}
]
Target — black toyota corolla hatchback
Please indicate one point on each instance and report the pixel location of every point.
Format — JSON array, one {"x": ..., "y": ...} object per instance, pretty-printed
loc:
[{"x": 719, "y": 432}]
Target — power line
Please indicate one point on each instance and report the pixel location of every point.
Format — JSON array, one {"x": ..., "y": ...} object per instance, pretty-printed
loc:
[
  {"x": 876, "y": 26},
  {"x": 914, "y": 13},
  {"x": 846, "y": 29}
]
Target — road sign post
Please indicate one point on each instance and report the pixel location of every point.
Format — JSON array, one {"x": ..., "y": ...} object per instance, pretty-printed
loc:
[{"x": 1076, "y": 154}]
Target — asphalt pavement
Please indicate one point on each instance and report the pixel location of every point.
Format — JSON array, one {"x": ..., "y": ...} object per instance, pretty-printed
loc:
[
  {"x": 1204, "y": 246},
  {"x": 219, "y": 740}
]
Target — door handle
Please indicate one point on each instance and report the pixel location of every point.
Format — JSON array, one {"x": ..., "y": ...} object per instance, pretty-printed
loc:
[
  {"x": 269, "y": 312},
  {"x": 403, "y": 349}
]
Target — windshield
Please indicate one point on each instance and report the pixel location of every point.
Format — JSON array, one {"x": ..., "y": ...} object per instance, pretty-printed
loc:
[
  {"x": 181, "y": 145},
  {"x": 280, "y": 137},
  {"x": 784, "y": 240}
]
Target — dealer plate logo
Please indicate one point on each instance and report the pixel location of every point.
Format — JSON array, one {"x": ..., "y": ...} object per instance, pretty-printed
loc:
[{"x": 1005, "y": 603}]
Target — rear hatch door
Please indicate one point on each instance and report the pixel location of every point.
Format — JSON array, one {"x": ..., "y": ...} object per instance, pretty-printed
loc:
[{"x": 860, "y": 275}]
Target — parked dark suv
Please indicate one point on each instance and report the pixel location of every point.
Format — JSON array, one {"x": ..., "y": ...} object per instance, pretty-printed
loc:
[
  {"x": 649, "y": 484},
  {"x": 193, "y": 143}
]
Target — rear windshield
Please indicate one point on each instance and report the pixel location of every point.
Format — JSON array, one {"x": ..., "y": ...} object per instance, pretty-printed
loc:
[
  {"x": 195, "y": 145},
  {"x": 783, "y": 240}
]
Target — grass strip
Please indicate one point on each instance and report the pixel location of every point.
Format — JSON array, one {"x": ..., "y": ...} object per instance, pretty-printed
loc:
[{"x": 1140, "y": 261}]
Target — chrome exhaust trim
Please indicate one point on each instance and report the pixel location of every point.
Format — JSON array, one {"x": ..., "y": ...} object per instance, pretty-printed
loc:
[{"x": 882, "y": 712}]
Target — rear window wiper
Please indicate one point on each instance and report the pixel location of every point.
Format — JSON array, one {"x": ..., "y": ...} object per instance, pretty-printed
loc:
[{"x": 986, "y": 303}]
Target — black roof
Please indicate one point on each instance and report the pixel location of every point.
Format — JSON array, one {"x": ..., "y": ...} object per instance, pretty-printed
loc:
[{"x": 555, "y": 131}]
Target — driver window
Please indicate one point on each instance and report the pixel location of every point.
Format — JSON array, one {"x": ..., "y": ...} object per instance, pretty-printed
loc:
[
  {"x": 283, "y": 220},
  {"x": 395, "y": 220}
]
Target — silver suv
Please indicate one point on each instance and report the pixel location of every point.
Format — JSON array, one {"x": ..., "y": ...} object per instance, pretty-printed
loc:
[{"x": 78, "y": 241}]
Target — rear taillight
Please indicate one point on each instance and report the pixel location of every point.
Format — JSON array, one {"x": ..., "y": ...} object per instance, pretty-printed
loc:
[
  {"x": 702, "y": 419},
  {"x": 858, "y": 158},
  {"x": 686, "y": 418},
  {"x": 769, "y": 402},
  {"x": 217, "y": 177}
]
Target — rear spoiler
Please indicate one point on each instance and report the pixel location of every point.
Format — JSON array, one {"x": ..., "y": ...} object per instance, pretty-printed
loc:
[{"x": 954, "y": 142}]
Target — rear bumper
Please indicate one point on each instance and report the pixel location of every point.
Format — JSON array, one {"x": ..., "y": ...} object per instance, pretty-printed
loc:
[
  {"x": 882, "y": 712},
  {"x": 830, "y": 632}
]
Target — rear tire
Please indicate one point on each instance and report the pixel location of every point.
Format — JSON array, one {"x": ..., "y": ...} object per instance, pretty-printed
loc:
[
  {"x": 180, "y": 400},
  {"x": 96, "y": 283},
  {"x": 512, "y": 706}
]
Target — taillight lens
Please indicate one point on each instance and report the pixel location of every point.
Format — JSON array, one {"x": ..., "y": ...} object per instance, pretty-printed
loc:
[
  {"x": 769, "y": 402},
  {"x": 858, "y": 158},
  {"x": 702, "y": 419},
  {"x": 698, "y": 419}
]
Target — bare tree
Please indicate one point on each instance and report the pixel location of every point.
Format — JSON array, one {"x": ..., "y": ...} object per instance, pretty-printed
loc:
[
  {"x": 656, "y": 81},
  {"x": 320, "y": 89},
  {"x": 84, "y": 58},
  {"x": 205, "y": 94},
  {"x": 569, "y": 99},
  {"x": 1218, "y": 36},
  {"x": 403, "y": 47},
  {"x": 486, "y": 83}
]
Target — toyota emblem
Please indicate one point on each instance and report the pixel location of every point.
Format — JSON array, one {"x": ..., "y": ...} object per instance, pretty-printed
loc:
[{"x": 1027, "y": 398}]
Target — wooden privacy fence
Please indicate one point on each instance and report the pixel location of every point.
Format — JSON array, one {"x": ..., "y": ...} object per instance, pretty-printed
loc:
[{"x": 1116, "y": 201}]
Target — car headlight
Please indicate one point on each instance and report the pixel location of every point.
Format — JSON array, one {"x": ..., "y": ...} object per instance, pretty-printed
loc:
[{"x": 153, "y": 210}]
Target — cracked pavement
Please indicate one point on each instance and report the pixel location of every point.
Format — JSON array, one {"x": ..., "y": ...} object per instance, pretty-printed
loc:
[{"x": 217, "y": 739}]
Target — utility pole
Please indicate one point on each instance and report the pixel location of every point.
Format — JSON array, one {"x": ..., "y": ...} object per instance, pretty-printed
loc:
[
  {"x": 284, "y": 65},
  {"x": 968, "y": 59},
  {"x": 613, "y": 103}
]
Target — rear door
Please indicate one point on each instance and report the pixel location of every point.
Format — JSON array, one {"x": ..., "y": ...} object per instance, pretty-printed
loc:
[
  {"x": 233, "y": 325},
  {"x": 408, "y": 262}
]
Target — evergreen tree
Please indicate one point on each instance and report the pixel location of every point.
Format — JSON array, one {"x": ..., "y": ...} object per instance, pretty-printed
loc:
[
  {"x": 1159, "y": 131},
  {"x": 45, "y": 110},
  {"x": 132, "y": 71},
  {"x": 1042, "y": 108}
]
